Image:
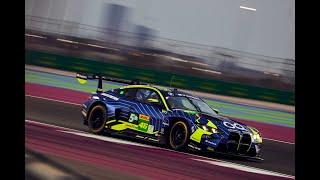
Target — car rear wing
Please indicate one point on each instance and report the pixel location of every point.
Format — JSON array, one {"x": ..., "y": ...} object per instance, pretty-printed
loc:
[{"x": 83, "y": 77}]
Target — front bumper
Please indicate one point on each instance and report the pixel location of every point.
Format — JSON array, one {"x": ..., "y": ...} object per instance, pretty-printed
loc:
[
  {"x": 254, "y": 150},
  {"x": 236, "y": 144}
]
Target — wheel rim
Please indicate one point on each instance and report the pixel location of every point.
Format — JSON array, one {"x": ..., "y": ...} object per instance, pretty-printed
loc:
[
  {"x": 178, "y": 135},
  {"x": 97, "y": 119}
]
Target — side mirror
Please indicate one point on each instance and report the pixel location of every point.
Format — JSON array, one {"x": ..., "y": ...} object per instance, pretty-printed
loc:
[{"x": 215, "y": 110}]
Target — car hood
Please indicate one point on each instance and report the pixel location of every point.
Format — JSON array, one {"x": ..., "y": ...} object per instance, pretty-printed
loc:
[{"x": 225, "y": 125}]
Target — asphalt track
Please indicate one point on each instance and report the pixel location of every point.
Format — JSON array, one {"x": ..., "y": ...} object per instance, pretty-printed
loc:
[{"x": 279, "y": 157}]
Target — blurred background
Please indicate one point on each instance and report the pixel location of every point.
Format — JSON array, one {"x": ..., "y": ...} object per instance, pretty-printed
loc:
[
  {"x": 242, "y": 48},
  {"x": 219, "y": 49}
]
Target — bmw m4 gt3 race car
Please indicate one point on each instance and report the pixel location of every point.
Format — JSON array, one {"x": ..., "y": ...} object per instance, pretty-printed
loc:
[{"x": 166, "y": 116}]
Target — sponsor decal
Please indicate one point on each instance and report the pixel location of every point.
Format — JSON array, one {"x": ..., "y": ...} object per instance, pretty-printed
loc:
[
  {"x": 151, "y": 139},
  {"x": 133, "y": 118},
  {"x": 95, "y": 97},
  {"x": 194, "y": 147},
  {"x": 150, "y": 129},
  {"x": 140, "y": 122},
  {"x": 166, "y": 124},
  {"x": 162, "y": 130},
  {"x": 234, "y": 126},
  {"x": 110, "y": 96},
  {"x": 143, "y": 126},
  {"x": 210, "y": 142},
  {"x": 144, "y": 117}
]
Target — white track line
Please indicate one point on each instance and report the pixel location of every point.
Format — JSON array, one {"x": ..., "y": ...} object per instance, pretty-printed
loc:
[
  {"x": 108, "y": 139},
  {"x": 86, "y": 134},
  {"x": 213, "y": 161},
  {"x": 280, "y": 141},
  {"x": 245, "y": 168},
  {"x": 49, "y": 99},
  {"x": 66, "y": 102},
  {"x": 51, "y": 125}
]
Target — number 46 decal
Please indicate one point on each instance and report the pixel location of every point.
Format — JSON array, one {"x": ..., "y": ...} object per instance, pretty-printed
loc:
[{"x": 234, "y": 126}]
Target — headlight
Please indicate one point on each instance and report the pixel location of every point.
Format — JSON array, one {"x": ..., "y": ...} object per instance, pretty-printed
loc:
[
  {"x": 256, "y": 138},
  {"x": 214, "y": 130},
  {"x": 205, "y": 128},
  {"x": 209, "y": 129}
]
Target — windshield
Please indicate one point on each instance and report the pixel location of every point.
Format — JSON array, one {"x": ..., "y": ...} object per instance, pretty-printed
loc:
[
  {"x": 202, "y": 106},
  {"x": 179, "y": 102}
]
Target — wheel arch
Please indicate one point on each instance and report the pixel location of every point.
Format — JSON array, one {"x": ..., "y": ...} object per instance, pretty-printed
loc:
[
  {"x": 173, "y": 120},
  {"x": 95, "y": 104}
]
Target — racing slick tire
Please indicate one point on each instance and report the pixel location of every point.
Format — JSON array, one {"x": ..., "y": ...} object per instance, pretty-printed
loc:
[
  {"x": 179, "y": 136},
  {"x": 97, "y": 119}
]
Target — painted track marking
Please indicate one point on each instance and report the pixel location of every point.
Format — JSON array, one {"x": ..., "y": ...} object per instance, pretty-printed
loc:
[
  {"x": 212, "y": 161},
  {"x": 245, "y": 168},
  {"x": 49, "y": 99}
]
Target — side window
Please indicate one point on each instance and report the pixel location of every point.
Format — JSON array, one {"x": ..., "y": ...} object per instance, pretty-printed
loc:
[
  {"x": 148, "y": 96},
  {"x": 127, "y": 93}
]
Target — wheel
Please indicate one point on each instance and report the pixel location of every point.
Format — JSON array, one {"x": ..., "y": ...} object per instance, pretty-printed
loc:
[
  {"x": 179, "y": 135},
  {"x": 97, "y": 119}
]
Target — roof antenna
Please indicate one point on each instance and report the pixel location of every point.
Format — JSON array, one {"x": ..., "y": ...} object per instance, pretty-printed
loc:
[{"x": 175, "y": 91}]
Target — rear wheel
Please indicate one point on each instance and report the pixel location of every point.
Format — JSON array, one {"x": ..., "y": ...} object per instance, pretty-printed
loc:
[
  {"x": 97, "y": 119},
  {"x": 179, "y": 135}
]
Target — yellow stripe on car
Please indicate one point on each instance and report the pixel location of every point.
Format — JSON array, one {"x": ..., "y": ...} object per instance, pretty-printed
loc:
[
  {"x": 119, "y": 127},
  {"x": 196, "y": 136},
  {"x": 126, "y": 125},
  {"x": 111, "y": 121},
  {"x": 210, "y": 124}
]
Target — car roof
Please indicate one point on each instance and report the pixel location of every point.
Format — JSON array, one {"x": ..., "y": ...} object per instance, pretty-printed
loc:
[{"x": 164, "y": 91}]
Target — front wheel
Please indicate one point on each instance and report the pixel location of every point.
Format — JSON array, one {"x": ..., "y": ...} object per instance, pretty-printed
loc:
[
  {"x": 179, "y": 135},
  {"x": 97, "y": 119}
]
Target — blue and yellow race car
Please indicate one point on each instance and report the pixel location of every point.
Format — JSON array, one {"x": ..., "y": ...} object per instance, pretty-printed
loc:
[{"x": 166, "y": 116}]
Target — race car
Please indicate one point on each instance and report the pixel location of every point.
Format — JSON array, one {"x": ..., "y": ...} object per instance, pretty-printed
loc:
[{"x": 166, "y": 116}]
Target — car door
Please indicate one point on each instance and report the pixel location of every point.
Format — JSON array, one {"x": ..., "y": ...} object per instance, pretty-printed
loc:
[
  {"x": 126, "y": 103},
  {"x": 148, "y": 111},
  {"x": 141, "y": 108}
]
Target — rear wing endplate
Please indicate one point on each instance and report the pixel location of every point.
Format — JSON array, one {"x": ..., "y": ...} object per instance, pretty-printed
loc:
[{"x": 83, "y": 77}]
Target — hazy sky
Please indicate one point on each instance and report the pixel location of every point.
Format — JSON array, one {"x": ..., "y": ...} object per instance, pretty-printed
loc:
[{"x": 267, "y": 31}]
